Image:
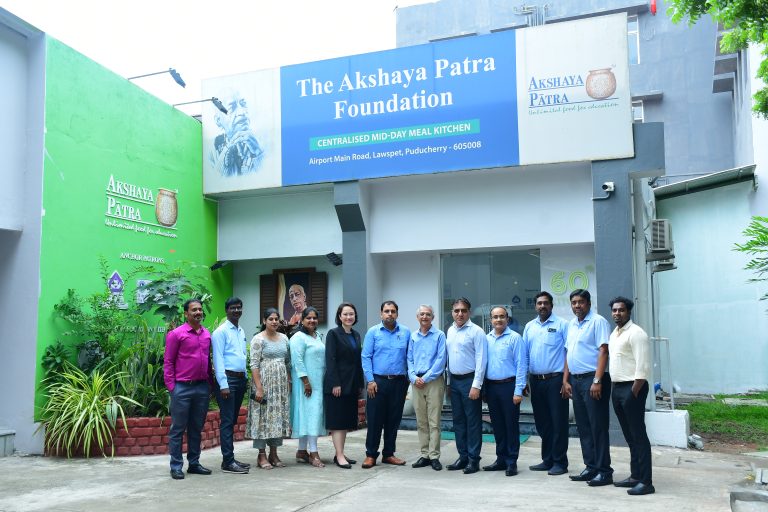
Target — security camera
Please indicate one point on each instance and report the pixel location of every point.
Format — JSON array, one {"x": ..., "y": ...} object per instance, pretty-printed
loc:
[{"x": 609, "y": 186}]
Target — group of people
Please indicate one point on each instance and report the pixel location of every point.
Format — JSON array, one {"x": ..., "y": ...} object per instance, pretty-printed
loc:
[{"x": 305, "y": 386}]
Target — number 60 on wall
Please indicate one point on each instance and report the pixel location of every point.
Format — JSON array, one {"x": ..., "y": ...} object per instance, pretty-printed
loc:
[{"x": 576, "y": 279}]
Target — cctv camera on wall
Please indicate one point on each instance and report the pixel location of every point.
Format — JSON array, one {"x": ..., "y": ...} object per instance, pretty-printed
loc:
[{"x": 609, "y": 186}]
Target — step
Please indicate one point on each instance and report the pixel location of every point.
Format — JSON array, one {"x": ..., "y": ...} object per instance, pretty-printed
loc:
[{"x": 6, "y": 441}]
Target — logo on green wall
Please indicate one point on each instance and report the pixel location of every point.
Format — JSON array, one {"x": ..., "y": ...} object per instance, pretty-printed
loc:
[{"x": 139, "y": 209}]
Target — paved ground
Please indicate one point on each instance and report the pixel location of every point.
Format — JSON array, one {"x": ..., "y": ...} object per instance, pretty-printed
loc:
[{"x": 685, "y": 481}]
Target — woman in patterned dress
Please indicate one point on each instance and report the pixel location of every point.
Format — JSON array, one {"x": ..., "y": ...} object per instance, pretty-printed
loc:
[
  {"x": 308, "y": 368},
  {"x": 268, "y": 419}
]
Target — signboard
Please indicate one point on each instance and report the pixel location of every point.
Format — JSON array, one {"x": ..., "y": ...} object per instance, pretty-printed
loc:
[{"x": 545, "y": 94}]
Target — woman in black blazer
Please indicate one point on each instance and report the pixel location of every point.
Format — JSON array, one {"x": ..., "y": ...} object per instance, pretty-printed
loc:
[{"x": 343, "y": 380}]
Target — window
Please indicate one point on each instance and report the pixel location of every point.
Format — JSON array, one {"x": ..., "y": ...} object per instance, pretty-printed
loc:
[
  {"x": 638, "y": 111},
  {"x": 507, "y": 278},
  {"x": 633, "y": 39}
]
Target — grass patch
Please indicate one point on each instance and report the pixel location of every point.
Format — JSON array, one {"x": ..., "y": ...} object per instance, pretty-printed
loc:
[{"x": 734, "y": 423}]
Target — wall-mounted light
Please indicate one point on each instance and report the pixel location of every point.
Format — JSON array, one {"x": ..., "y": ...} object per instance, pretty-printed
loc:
[
  {"x": 175, "y": 74},
  {"x": 213, "y": 99},
  {"x": 218, "y": 265},
  {"x": 334, "y": 258}
]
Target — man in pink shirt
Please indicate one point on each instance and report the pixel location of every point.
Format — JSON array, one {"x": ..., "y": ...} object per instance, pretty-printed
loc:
[{"x": 188, "y": 377}]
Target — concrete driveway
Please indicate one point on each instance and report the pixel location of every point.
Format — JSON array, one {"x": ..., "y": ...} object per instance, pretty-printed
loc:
[{"x": 684, "y": 481}]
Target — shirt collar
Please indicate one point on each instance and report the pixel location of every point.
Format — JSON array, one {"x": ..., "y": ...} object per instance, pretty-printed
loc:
[
  {"x": 432, "y": 330},
  {"x": 466, "y": 324},
  {"x": 551, "y": 318},
  {"x": 507, "y": 331},
  {"x": 625, "y": 327},
  {"x": 230, "y": 325},
  {"x": 383, "y": 328}
]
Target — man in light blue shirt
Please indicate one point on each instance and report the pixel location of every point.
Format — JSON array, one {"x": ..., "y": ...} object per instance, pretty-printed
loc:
[
  {"x": 505, "y": 379},
  {"x": 586, "y": 380},
  {"x": 426, "y": 364},
  {"x": 228, "y": 348},
  {"x": 467, "y": 357},
  {"x": 384, "y": 366},
  {"x": 545, "y": 339}
]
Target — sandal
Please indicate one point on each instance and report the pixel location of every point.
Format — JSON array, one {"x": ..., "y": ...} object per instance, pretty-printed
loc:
[
  {"x": 276, "y": 462},
  {"x": 314, "y": 459},
  {"x": 302, "y": 457},
  {"x": 263, "y": 463}
]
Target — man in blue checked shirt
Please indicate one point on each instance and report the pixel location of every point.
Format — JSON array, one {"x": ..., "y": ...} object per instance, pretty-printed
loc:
[
  {"x": 505, "y": 378},
  {"x": 545, "y": 338},
  {"x": 426, "y": 364},
  {"x": 384, "y": 366},
  {"x": 586, "y": 380},
  {"x": 228, "y": 346}
]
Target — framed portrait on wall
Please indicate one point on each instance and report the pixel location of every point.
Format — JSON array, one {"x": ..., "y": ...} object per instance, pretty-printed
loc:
[{"x": 292, "y": 290}]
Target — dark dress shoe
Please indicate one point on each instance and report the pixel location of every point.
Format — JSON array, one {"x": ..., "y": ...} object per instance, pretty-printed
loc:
[
  {"x": 422, "y": 463},
  {"x": 541, "y": 466},
  {"x": 243, "y": 464},
  {"x": 395, "y": 461},
  {"x": 557, "y": 470},
  {"x": 472, "y": 467},
  {"x": 584, "y": 476},
  {"x": 627, "y": 482},
  {"x": 496, "y": 466},
  {"x": 511, "y": 470},
  {"x": 342, "y": 466},
  {"x": 641, "y": 489},
  {"x": 177, "y": 474},
  {"x": 198, "y": 469},
  {"x": 369, "y": 462},
  {"x": 459, "y": 464},
  {"x": 234, "y": 468},
  {"x": 600, "y": 480},
  {"x": 436, "y": 464}
]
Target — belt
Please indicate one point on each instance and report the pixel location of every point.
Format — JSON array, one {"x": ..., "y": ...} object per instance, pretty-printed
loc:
[
  {"x": 625, "y": 383},
  {"x": 231, "y": 373},
  {"x": 545, "y": 376},
  {"x": 501, "y": 381},
  {"x": 389, "y": 377},
  {"x": 587, "y": 375},
  {"x": 469, "y": 375},
  {"x": 191, "y": 381}
]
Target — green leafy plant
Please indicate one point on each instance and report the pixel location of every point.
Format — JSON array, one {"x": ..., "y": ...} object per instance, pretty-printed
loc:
[
  {"x": 55, "y": 358},
  {"x": 171, "y": 287},
  {"x": 756, "y": 246},
  {"x": 82, "y": 409},
  {"x": 141, "y": 373},
  {"x": 98, "y": 322}
]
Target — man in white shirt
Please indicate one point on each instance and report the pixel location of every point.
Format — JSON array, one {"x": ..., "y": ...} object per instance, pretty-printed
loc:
[{"x": 630, "y": 366}]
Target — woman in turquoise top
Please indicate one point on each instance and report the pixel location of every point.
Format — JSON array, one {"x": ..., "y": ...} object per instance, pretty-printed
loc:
[{"x": 308, "y": 369}]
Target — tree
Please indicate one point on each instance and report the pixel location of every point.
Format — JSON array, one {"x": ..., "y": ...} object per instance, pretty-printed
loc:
[
  {"x": 757, "y": 247},
  {"x": 746, "y": 21}
]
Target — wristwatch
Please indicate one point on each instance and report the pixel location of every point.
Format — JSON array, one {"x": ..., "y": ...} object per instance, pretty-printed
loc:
[{"x": 595, "y": 381}]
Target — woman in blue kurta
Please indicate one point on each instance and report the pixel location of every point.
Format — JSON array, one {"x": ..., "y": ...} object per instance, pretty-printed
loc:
[{"x": 308, "y": 360}]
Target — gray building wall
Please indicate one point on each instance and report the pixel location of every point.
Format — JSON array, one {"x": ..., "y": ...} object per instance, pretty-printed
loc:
[
  {"x": 673, "y": 77},
  {"x": 22, "y": 126}
]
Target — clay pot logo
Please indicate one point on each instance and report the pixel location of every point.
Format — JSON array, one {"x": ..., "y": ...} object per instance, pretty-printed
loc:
[
  {"x": 601, "y": 83},
  {"x": 166, "y": 207}
]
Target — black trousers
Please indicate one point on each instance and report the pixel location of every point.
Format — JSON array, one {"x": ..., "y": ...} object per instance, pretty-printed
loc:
[
  {"x": 384, "y": 412},
  {"x": 630, "y": 411},
  {"x": 550, "y": 413},
  {"x": 505, "y": 419},
  {"x": 592, "y": 419}
]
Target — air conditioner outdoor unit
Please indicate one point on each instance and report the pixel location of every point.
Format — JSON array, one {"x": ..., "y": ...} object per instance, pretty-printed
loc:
[{"x": 661, "y": 235}]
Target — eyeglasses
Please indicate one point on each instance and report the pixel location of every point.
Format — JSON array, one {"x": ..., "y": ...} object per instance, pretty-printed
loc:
[
  {"x": 460, "y": 310},
  {"x": 498, "y": 317}
]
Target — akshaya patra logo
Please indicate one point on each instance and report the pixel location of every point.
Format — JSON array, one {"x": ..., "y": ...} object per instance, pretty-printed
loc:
[
  {"x": 131, "y": 207},
  {"x": 574, "y": 92}
]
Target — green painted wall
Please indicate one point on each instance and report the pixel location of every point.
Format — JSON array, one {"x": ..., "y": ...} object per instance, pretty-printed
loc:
[{"x": 110, "y": 146}]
